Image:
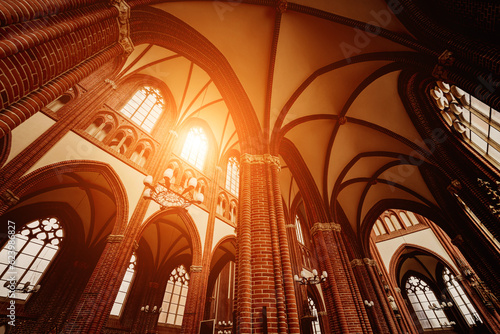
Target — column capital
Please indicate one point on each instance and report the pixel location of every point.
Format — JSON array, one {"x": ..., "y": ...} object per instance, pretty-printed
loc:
[
  {"x": 369, "y": 262},
  {"x": 267, "y": 159},
  {"x": 123, "y": 25},
  {"x": 290, "y": 225},
  {"x": 357, "y": 263},
  {"x": 195, "y": 269},
  {"x": 325, "y": 227},
  {"x": 115, "y": 238}
]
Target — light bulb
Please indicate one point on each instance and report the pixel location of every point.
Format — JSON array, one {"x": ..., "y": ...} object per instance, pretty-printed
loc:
[
  {"x": 325, "y": 274},
  {"x": 296, "y": 278},
  {"x": 200, "y": 197},
  {"x": 169, "y": 173},
  {"x": 148, "y": 181},
  {"x": 315, "y": 272},
  {"x": 193, "y": 182},
  {"x": 147, "y": 193}
]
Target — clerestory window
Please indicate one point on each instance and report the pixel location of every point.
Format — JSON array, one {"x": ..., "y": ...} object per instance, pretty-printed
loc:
[
  {"x": 233, "y": 176},
  {"x": 195, "y": 147},
  {"x": 145, "y": 107}
]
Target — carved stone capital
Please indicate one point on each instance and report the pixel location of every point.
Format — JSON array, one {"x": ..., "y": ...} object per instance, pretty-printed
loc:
[
  {"x": 123, "y": 24},
  {"x": 290, "y": 226},
  {"x": 9, "y": 198},
  {"x": 115, "y": 238},
  {"x": 369, "y": 262},
  {"x": 281, "y": 6},
  {"x": 325, "y": 227},
  {"x": 357, "y": 263},
  {"x": 195, "y": 269},
  {"x": 260, "y": 159},
  {"x": 454, "y": 187}
]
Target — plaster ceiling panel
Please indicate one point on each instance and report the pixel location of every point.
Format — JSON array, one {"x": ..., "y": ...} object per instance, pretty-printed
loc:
[
  {"x": 379, "y": 103},
  {"x": 76, "y": 197},
  {"x": 349, "y": 198},
  {"x": 243, "y": 33},
  {"x": 409, "y": 176},
  {"x": 353, "y": 139},
  {"x": 366, "y": 167},
  {"x": 312, "y": 147},
  {"x": 374, "y": 11},
  {"x": 104, "y": 210},
  {"x": 195, "y": 94},
  {"x": 307, "y": 44},
  {"x": 328, "y": 93},
  {"x": 143, "y": 55},
  {"x": 381, "y": 191}
]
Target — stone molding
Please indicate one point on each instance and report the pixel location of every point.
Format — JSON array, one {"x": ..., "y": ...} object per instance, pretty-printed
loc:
[
  {"x": 361, "y": 262},
  {"x": 195, "y": 269},
  {"x": 115, "y": 238},
  {"x": 356, "y": 263},
  {"x": 123, "y": 25},
  {"x": 260, "y": 159},
  {"x": 325, "y": 227},
  {"x": 290, "y": 225},
  {"x": 369, "y": 262}
]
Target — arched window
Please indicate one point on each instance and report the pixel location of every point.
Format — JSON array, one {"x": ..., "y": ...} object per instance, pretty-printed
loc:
[
  {"x": 195, "y": 147},
  {"x": 233, "y": 212},
  {"x": 298, "y": 230},
  {"x": 476, "y": 121},
  {"x": 174, "y": 300},
  {"x": 425, "y": 304},
  {"x": 316, "y": 328},
  {"x": 221, "y": 206},
  {"x": 395, "y": 222},
  {"x": 145, "y": 107},
  {"x": 233, "y": 176},
  {"x": 460, "y": 298},
  {"x": 35, "y": 246},
  {"x": 405, "y": 219},
  {"x": 124, "y": 287}
]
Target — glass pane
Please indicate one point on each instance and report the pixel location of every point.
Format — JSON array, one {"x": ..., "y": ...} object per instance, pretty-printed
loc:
[
  {"x": 480, "y": 143},
  {"x": 478, "y": 123}
]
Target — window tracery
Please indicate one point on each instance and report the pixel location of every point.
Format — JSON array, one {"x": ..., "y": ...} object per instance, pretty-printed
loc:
[
  {"x": 233, "y": 176},
  {"x": 36, "y": 246},
  {"x": 422, "y": 299},
  {"x": 145, "y": 107},
  {"x": 478, "y": 123},
  {"x": 175, "y": 296}
]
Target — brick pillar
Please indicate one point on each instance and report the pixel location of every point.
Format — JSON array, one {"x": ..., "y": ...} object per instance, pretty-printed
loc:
[
  {"x": 265, "y": 284},
  {"x": 76, "y": 42},
  {"x": 345, "y": 313},
  {"x": 96, "y": 301},
  {"x": 190, "y": 324}
]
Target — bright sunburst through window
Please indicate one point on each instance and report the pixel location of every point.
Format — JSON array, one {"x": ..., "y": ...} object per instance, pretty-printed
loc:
[
  {"x": 35, "y": 246},
  {"x": 144, "y": 108},
  {"x": 195, "y": 148}
]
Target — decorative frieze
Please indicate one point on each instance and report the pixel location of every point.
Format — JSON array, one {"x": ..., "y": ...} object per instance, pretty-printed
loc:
[
  {"x": 261, "y": 159},
  {"x": 325, "y": 227},
  {"x": 115, "y": 238}
]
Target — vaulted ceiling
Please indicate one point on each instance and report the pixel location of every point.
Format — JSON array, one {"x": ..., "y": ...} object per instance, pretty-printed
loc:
[{"x": 313, "y": 80}]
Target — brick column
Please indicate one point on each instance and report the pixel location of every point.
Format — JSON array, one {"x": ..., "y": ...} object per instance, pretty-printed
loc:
[
  {"x": 346, "y": 315},
  {"x": 77, "y": 43},
  {"x": 190, "y": 324},
  {"x": 263, "y": 270}
]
